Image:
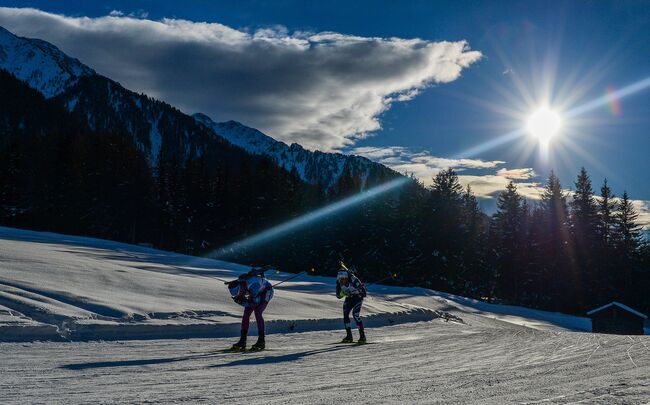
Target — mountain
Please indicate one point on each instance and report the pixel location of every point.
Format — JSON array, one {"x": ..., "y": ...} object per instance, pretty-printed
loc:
[
  {"x": 81, "y": 154},
  {"x": 315, "y": 167},
  {"x": 157, "y": 127},
  {"x": 107, "y": 107},
  {"x": 40, "y": 64}
]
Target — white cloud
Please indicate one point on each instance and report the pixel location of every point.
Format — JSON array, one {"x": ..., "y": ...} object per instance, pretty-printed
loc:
[
  {"x": 489, "y": 186},
  {"x": 421, "y": 164},
  {"x": 517, "y": 174},
  {"x": 642, "y": 207},
  {"x": 485, "y": 186},
  {"x": 323, "y": 90}
]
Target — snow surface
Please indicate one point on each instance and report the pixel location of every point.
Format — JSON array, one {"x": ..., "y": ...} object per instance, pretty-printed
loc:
[
  {"x": 428, "y": 362},
  {"x": 40, "y": 64},
  {"x": 95, "y": 289},
  {"x": 425, "y": 346}
]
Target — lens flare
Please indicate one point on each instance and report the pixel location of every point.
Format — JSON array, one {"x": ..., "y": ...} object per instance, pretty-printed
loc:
[
  {"x": 614, "y": 102},
  {"x": 276, "y": 231}
]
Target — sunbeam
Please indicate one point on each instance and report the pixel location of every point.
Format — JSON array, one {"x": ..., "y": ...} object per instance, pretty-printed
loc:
[
  {"x": 311, "y": 217},
  {"x": 605, "y": 100},
  {"x": 491, "y": 144}
]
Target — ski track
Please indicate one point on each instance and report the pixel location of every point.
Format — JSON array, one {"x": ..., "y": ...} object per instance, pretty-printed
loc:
[{"x": 426, "y": 362}]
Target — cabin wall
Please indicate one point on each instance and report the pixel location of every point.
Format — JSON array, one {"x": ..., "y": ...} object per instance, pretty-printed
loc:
[{"x": 617, "y": 326}]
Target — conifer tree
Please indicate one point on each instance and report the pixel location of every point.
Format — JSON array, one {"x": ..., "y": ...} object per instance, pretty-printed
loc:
[
  {"x": 606, "y": 210},
  {"x": 507, "y": 234},
  {"x": 627, "y": 232},
  {"x": 584, "y": 209},
  {"x": 558, "y": 276}
]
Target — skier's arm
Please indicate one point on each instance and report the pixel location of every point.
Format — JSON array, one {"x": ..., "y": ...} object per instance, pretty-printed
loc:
[
  {"x": 338, "y": 290},
  {"x": 266, "y": 288},
  {"x": 240, "y": 298},
  {"x": 358, "y": 285}
]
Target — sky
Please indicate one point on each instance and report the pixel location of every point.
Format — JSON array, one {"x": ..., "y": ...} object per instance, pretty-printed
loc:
[{"x": 417, "y": 85}]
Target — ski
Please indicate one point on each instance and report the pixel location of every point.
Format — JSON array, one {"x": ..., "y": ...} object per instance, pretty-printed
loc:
[{"x": 352, "y": 343}]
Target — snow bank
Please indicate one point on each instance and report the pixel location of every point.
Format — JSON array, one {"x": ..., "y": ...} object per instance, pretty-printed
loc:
[
  {"x": 82, "y": 289},
  {"x": 74, "y": 288}
]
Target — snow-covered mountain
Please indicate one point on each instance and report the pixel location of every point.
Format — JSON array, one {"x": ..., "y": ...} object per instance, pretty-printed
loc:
[
  {"x": 157, "y": 127},
  {"x": 313, "y": 167},
  {"x": 40, "y": 64}
]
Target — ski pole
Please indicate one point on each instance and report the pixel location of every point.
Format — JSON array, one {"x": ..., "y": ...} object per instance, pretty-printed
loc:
[
  {"x": 290, "y": 278},
  {"x": 390, "y": 275},
  {"x": 280, "y": 282}
]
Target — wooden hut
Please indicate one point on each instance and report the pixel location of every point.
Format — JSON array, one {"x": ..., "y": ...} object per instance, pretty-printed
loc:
[{"x": 617, "y": 318}]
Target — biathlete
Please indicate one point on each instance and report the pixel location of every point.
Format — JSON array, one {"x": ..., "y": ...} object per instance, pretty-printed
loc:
[
  {"x": 349, "y": 286},
  {"x": 254, "y": 292}
]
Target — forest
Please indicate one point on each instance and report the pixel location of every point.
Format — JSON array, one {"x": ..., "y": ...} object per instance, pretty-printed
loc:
[{"x": 568, "y": 251}]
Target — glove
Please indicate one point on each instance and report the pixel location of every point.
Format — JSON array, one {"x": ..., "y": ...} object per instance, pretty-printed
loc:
[{"x": 241, "y": 300}]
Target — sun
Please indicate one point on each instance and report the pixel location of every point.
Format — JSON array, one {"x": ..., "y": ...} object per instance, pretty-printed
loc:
[{"x": 544, "y": 124}]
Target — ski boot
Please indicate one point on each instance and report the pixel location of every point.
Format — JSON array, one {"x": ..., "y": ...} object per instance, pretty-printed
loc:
[
  {"x": 260, "y": 344},
  {"x": 348, "y": 337},
  {"x": 362, "y": 337},
  {"x": 241, "y": 345}
]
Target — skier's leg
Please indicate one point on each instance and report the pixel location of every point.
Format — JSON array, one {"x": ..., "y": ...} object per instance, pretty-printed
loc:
[
  {"x": 259, "y": 319},
  {"x": 356, "y": 314},
  {"x": 259, "y": 309},
  {"x": 244, "y": 329},
  {"x": 346, "y": 320},
  {"x": 246, "y": 318}
]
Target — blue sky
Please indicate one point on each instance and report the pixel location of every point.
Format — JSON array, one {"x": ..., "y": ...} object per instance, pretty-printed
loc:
[{"x": 578, "y": 50}]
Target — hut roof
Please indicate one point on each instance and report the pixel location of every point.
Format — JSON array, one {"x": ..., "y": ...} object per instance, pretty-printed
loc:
[{"x": 618, "y": 304}]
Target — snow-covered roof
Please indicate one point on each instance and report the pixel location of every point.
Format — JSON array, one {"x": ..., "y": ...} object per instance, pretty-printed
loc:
[{"x": 618, "y": 304}]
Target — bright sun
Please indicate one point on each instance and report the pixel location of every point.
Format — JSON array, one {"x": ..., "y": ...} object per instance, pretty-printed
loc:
[{"x": 544, "y": 124}]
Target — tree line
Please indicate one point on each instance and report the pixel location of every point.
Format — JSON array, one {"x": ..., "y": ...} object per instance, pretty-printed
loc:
[{"x": 569, "y": 251}]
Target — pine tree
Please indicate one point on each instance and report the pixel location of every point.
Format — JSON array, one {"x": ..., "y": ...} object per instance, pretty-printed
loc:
[
  {"x": 558, "y": 277},
  {"x": 444, "y": 233},
  {"x": 627, "y": 233},
  {"x": 584, "y": 235},
  {"x": 473, "y": 269},
  {"x": 584, "y": 209},
  {"x": 507, "y": 234},
  {"x": 606, "y": 208}
]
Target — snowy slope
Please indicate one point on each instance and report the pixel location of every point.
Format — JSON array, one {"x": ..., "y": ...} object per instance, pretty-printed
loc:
[
  {"x": 312, "y": 167},
  {"x": 40, "y": 64},
  {"x": 83, "y": 288},
  {"x": 94, "y": 289}
]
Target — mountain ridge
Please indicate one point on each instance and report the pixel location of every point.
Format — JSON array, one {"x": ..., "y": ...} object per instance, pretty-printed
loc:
[
  {"x": 43, "y": 66},
  {"x": 311, "y": 166},
  {"x": 157, "y": 127}
]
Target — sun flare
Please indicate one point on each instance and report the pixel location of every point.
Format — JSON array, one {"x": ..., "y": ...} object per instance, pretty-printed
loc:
[{"x": 544, "y": 124}]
